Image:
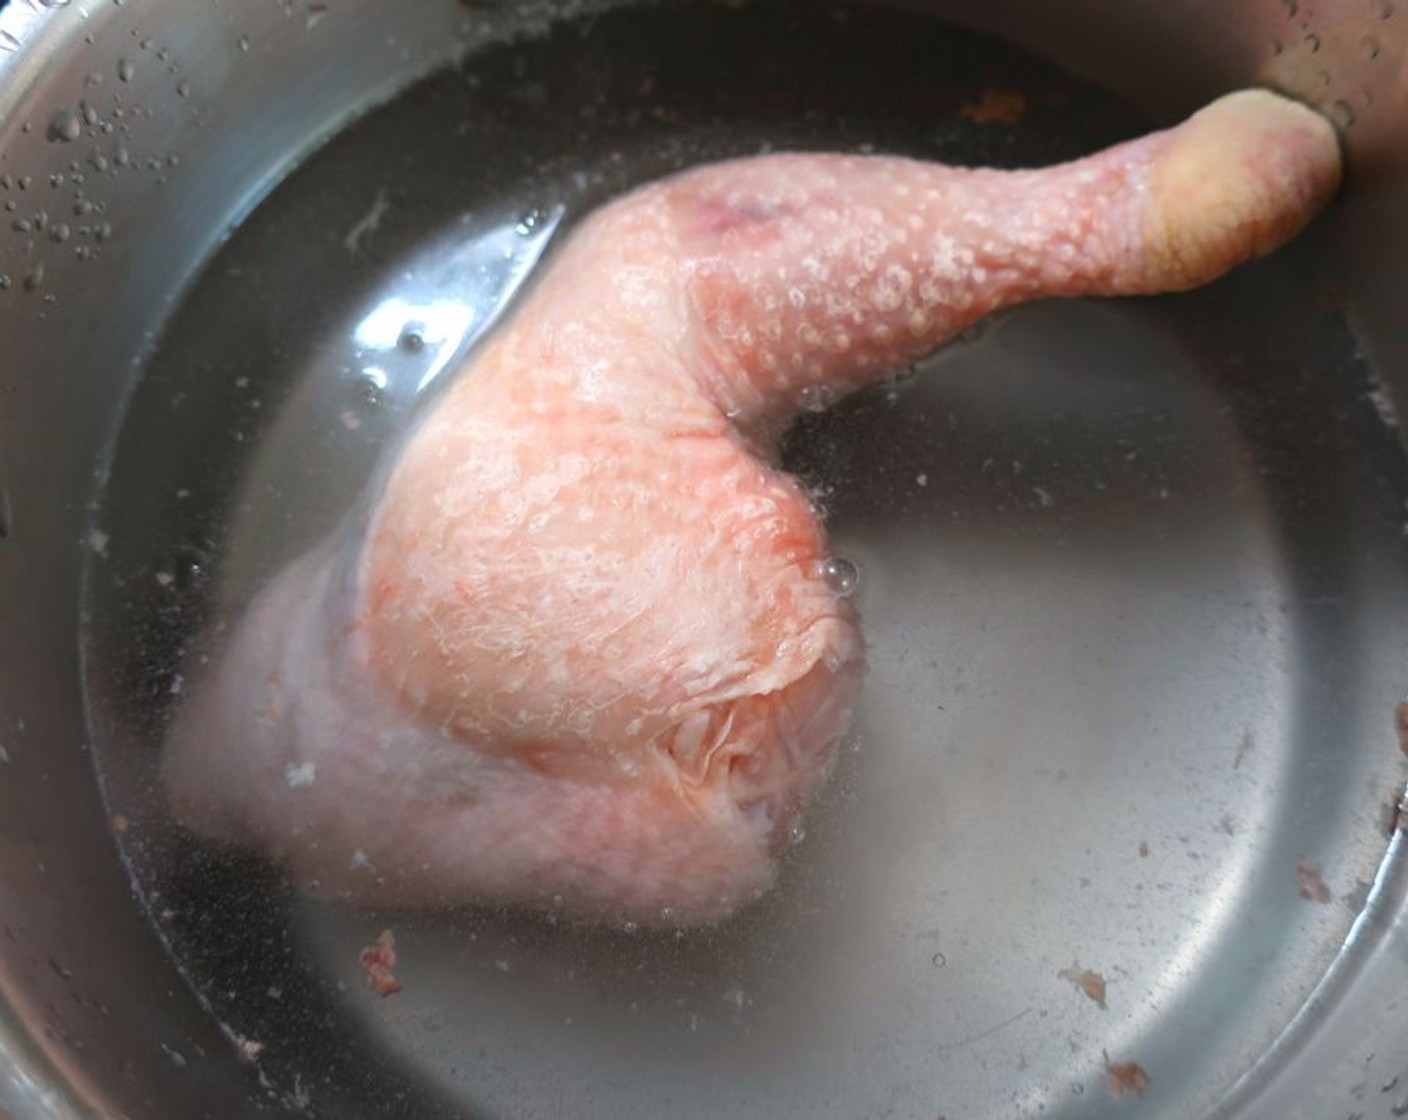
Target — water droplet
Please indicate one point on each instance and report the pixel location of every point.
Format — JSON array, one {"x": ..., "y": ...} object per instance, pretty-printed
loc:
[
  {"x": 939, "y": 960},
  {"x": 7, "y": 517},
  {"x": 4, "y": 282},
  {"x": 631, "y": 927},
  {"x": 528, "y": 223},
  {"x": 1342, "y": 113},
  {"x": 841, "y": 575},
  {"x": 412, "y": 338},
  {"x": 61, "y": 233},
  {"x": 1312, "y": 42},
  {"x": 316, "y": 12},
  {"x": 122, "y": 157},
  {"x": 53, "y": 3},
  {"x": 244, "y": 42},
  {"x": 1369, "y": 47},
  {"x": 99, "y": 161},
  {"x": 183, "y": 89},
  {"x": 8, "y": 42},
  {"x": 1385, "y": 9},
  {"x": 796, "y": 834},
  {"x": 21, "y": 225},
  {"x": 34, "y": 279},
  {"x": 65, "y": 127},
  {"x": 126, "y": 70},
  {"x": 89, "y": 114}
]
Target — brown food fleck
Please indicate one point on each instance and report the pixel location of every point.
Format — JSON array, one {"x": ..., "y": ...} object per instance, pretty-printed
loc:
[
  {"x": 378, "y": 961},
  {"x": 1126, "y": 1077},
  {"x": 120, "y": 823},
  {"x": 1091, "y": 983},
  {"x": 1308, "y": 881},
  {"x": 996, "y": 106},
  {"x": 1143, "y": 849},
  {"x": 1400, "y": 724}
]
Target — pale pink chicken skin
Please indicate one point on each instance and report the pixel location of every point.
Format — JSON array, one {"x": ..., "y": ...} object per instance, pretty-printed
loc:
[{"x": 579, "y": 652}]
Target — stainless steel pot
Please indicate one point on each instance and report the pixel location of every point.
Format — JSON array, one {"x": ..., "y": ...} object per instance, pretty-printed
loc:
[{"x": 136, "y": 135}]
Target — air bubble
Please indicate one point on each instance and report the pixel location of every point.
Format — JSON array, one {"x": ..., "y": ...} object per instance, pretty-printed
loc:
[
  {"x": 370, "y": 387},
  {"x": 796, "y": 834},
  {"x": 243, "y": 43},
  {"x": 528, "y": 223},
  {"x": 816, "y": 398},
  {"x": 841, "y": 575},
  {"x": 65, "y": 127},
  {"x": 1312, "y": 41},
  {"x": 412, "y": 338},
  {"x": 1342, "y": 113}
]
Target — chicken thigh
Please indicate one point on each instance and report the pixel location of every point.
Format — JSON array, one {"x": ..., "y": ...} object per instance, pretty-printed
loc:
[{"x": 579, "y": 649}]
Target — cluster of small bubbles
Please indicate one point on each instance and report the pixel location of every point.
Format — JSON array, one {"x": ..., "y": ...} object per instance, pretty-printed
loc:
[
  {"x": 528, "y": 223},
  {"x": 841, "y": 575},
  {"x": 65, "y": 127},
  {"x": 412, "y": 338},
  {"x": 370, "y": 387},
  {"x": 816, "y": 398}
]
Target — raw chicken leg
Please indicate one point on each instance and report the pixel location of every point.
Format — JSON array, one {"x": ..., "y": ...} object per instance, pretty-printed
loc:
[{"x": 580, "y": 650}]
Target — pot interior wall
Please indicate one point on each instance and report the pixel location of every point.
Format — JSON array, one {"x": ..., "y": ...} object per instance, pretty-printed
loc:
[{"x": 1207, "y": 492}]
